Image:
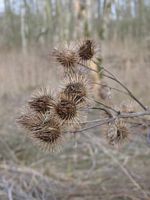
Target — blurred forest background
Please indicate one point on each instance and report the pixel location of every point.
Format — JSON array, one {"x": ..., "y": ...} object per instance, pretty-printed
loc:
[
  {"x": 84, "y": 169},
  {"x": 27, "y": 23}
]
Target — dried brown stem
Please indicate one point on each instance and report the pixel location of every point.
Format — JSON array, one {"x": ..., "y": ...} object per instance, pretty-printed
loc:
[
  {"x": 112, "y": 77},
  {"x": 112, "y": 88},
  {"x": 130, "y": 93}
]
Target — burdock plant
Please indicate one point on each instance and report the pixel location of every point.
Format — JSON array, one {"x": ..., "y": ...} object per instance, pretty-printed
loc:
[{"x": 49, "y": 117}]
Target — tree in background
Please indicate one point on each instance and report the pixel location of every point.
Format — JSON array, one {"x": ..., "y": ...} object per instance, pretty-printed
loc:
[{"x": 26, "y": 23}]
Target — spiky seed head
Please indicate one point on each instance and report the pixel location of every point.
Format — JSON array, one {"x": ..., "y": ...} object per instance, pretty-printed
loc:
[
  {"x": 30, "y": 121},
  {"x": 86, "y": 50},
  {"x": 78, "y": 88},
  {"x": 66, "y": 57},
  {"x": 77, "y": 91},
  {"x": 117, "y": 133},
  {"x": 41, "y": 101},
  {"x": 66, "y": 109},
  {"x": 49, "y": 135}
]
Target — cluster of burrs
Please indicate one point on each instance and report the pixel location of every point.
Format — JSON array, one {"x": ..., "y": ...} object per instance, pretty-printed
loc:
[{"x": 47, "y": 116}]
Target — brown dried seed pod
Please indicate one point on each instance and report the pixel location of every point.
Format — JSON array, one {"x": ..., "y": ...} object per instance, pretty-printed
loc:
[
  {"x": 67, "y": 57},
  {"x": 67, "y": 112},
  {"x": 86, "y": 50},
  {"x": 49, "y": 136},
  {"x": 31, "y": 121},
  {"x": 66, "y": 109},
  {"x": 78, "y": 88},
  {"x": 117, "y": 133},
  {"x": 41, "y": 101}
]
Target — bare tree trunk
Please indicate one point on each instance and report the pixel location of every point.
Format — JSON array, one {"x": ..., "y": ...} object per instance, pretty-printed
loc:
[
  {"x": 23, "y": 29},
  {"x": 106, "y": 17},
  {"x": 7, "y": 6}
]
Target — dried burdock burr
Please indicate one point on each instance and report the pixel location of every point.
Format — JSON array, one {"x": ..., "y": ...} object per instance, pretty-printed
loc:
[
  {"x": 43, "y": 129},
  {"x": 86, "y": 50},
  {"x": 117, "y": 133},
  {"x": 66, "y": 57},
  {"x": 66, "y": 111},
  {"x": 78, "y": 88},
  {"x": 30, "y": 120},
  {"x": 41, "y": 101},
  {"x": 49, "y": 136}
]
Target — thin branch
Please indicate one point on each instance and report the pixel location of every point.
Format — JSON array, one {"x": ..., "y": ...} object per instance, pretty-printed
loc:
[
  {"x": 130, "y": 93},
  {"x": 106, "y": 106},
  {"x": 111, "y": 119},
  {"x": 108, "y": 120},
  {"x": 87, "y": 67},
  {"x": 112, "y": 88},
  {"x": 136, "y": 114},
  {"x": 103, "y": 109},
  {"x": 112, "y": 77}
]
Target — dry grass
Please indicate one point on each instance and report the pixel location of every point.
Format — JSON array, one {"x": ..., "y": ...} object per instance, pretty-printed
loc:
[{"x": 87, "y": 168}]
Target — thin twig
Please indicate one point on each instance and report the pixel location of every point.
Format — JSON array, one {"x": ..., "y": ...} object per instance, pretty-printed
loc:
[
  {"x": 106, "y": 106},
  {"x": 112, "y": 88},
  {"x": 108, "y": 120},
  {"x": 130, "y": 93},
  {"x": 112, "y": 77},
  {"x": 103, "y": 109},
  {"x": 111, "y": 119}
]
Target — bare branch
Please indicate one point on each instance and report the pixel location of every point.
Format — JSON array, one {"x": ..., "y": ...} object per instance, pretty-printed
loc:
[{"x": 112, "y": 77}]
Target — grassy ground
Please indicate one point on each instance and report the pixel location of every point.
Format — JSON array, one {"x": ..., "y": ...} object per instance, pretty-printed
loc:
[{"x": 87, "y": 168}]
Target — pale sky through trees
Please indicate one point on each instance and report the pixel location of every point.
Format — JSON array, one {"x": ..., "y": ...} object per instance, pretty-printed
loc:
[{"x": 1, "y": 6}]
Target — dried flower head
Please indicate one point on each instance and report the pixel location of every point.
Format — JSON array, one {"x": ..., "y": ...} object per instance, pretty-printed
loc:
[
  {"x": 117, "y": 133},
  {"x": 67, "y": 57},
  {"x": 30, "y": 120},
  {"x": 86, "y": 50},
  {"x": 66, "y": 109},
  {"x": 49, "y": 136},
  {"x": 41, "y": 101},
  {"x": 78, "y": 88}
]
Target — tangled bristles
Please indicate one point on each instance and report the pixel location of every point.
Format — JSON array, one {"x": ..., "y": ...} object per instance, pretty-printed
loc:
[
  {"x": 41, "y": 101},
  {"x": 30, "y": 121},
  {"x": 66, "y": 109},
  {"x": 86, "y": 50},
  {"x": 117, "y": 133},
  {"x": 67, "y": 58},
  {"x": 78, "y": 88},
  {"x": 49, "y": 135},
  {"x": 48, "y": 117}
]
